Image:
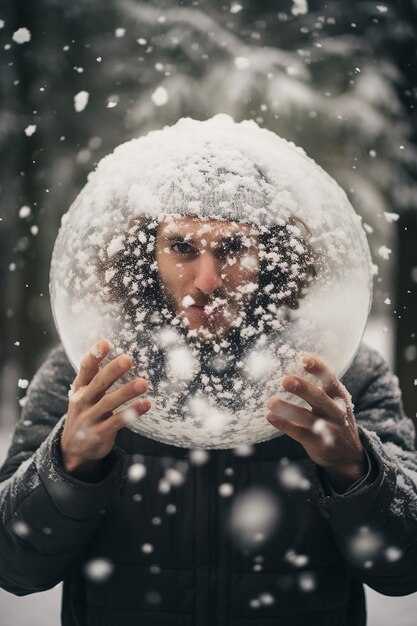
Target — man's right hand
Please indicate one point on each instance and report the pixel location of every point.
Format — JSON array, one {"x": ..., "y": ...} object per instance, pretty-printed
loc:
[{"x": 91, "y": 425}]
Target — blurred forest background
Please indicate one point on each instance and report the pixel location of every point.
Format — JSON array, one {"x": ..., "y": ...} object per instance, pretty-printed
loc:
[
  {"x": 339, "y": 78},
  {"x": 77, "y": 78}
]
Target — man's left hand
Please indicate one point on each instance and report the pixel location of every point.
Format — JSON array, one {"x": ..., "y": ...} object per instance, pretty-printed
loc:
[{"x": 328, "y": 432}]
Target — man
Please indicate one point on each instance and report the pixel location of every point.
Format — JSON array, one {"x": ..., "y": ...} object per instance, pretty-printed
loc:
[
  {"x": 192, "y": 258},
  {"x": 147, "y": 533}
]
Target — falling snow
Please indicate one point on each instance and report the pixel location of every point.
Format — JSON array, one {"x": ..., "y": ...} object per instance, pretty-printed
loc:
[
  {"x": 384, "y": 252},
  {"x": 391, "y": 217},
  {"x": 226, "y": 490},
  {"x": 30, "y": 130},
  {"x": 136, "y": 472},
  {"x": 235, "y": 7},
  {"x": 98, "y": 570},
  {"x": 25, "y": 211},
  {"x": 160, "y": 96},
  {"x": 299, "y": 7},
  {"x": 242, "y": 63},
  {"x": 22, "y": 35},
  {"x": 81, "y": 100}
]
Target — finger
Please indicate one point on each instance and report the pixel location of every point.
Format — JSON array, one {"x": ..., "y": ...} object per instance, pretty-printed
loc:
[
  {"x": 113, "y": 399},
  {"x": 122, "y": 418},
  {"x": 89, "y": 365},
  {"x": 106, "y": 377},
  {"x": 316, "y": 366},
  {"x": 304, "y": 436},
  {"x": 316, "y": 397},
  {"x": 291, "y": 412}
]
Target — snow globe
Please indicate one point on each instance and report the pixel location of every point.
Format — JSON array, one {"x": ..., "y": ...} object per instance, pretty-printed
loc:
[{"x": 216, "y": 254}]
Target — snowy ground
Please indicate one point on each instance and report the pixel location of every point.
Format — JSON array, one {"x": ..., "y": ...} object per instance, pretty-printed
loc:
[{"x": 43, "y": 609}]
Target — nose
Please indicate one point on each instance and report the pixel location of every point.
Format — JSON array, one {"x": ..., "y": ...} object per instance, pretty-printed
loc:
[{"x": 207, "y": 278}]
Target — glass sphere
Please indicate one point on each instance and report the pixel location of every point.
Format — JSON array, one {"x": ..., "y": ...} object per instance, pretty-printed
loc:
[{"x": 216, "y": 254}]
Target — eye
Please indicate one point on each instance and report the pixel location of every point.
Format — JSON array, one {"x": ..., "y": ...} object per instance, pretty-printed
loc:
[
  {"x": 234, "y": 245},
  {"x": 229, "y": 248},
  {"x": 182, "y": 247}
]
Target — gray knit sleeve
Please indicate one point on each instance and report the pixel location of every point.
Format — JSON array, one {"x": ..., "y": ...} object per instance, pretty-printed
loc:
[
  {"x": 375, "y": 525},
  {"x": 46, "y": 403},
  {"x": 47, "y": 517}
]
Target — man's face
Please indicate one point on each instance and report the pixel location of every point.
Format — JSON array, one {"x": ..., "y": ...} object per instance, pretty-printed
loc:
[{"x": 208, "y": 271}]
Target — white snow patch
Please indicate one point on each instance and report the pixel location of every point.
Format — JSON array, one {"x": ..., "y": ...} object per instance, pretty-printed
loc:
[
  {"x": 267, "y": 599},
  {"x": 298, "y": 560},
  {"x": 393, "y": 554},
  {"x": 226, "y": 490},
  {"x": 112, "y": 101},
  {"x": 254, "y": 516},
  {"x": 160, "y": 96},
  {"x": 81, "y": 100},
  {"x": 299, "y": 7},
  {"x": 235, "y": 7},
  {"x": 291, "y": 477},
  {"x": 365, "y": 544},
  {"x": 174, "y": 477},
  {"x": 181, "y": 363},
  {"x": 98, "y": 570},
  {"x": 147, "y": 548},
  {"x": 213, "y": 419},
  {"x": 245, "y": 450},
  {"x": 25, "y": 211},
  {"x": 30, "y": 130},
  {"x": 21, "y": 35},
  {"x": 249, "y": 262},
  {"x": 187, "y": 301},
  {"x": 258, "y": 364},
  {"x": 116, "y": 245},
  {"x": 96, "y": 351},
  {"x": 129, "y": 415},
  {"x": 307, "y": 582},
  {"x": 163, "y": 486},
  {"x": 384, "y": 252},
  {"x": 136, "y": 472},
  {"x": 21, "y": 528},
  {"x": 242, "y": 63},
  {"x": 199, "y": 456},
  {"x": 320, "y": 427},
  {"x": 167, "y": 337},
  {"x": 391, "y": 217}
]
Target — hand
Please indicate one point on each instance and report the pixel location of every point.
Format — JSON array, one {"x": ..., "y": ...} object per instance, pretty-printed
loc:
[
  {"x": 328, "y": 432},
  {"x": 91, "y": 426}
]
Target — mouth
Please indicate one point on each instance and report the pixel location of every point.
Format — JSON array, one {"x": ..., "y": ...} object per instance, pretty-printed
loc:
[
  {"x": 198, "y": 308},
  {"x": 207, "y": 311},
  {"x": 210, "y": 308}
]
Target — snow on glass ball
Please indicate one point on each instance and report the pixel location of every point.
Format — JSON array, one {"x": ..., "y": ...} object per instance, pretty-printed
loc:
[{"x": 215, "y": 254}]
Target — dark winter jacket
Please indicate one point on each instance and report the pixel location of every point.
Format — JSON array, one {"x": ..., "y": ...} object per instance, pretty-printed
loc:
[{"x": 55, "y": 527}]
